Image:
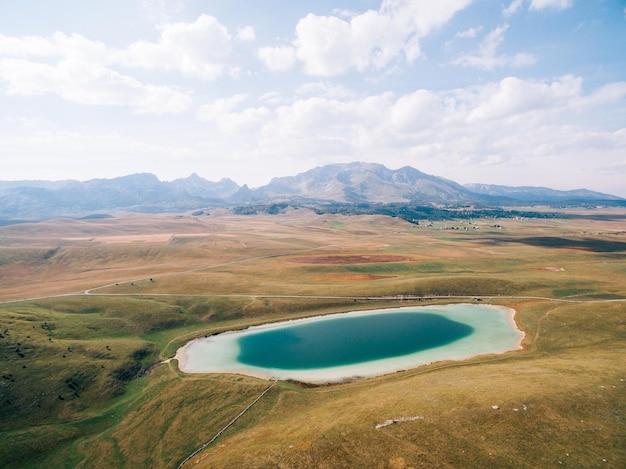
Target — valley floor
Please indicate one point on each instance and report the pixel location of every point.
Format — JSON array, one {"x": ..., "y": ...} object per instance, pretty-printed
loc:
[{"x": 89, "y": 305}]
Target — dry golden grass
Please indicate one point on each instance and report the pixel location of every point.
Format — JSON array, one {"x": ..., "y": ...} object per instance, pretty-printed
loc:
[{"x": 561, "y": 400}]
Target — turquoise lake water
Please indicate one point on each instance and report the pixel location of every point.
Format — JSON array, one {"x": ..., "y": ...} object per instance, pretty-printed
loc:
[
  {"x": 349, "y": 340},
  {"x": 354, "y": 345}
]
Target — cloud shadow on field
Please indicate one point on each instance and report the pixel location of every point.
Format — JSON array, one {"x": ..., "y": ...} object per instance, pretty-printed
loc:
[{"x": 585, "y": 244}]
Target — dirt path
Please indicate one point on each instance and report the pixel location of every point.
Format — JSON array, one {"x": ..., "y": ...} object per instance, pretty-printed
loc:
[
  {"x": 91, "y": 291},
  {"x": 241, "y": 261}
]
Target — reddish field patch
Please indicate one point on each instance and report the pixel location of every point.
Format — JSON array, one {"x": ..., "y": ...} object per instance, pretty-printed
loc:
[
  {"x": 351, "y": 277},
  {"x": 363, "y": 259}
]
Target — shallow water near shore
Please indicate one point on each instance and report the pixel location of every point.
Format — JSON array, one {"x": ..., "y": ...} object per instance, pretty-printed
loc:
[{"x": 347, "y": 346}]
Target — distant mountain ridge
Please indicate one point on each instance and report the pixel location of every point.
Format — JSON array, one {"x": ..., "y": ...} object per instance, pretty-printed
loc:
[
  {"x": 352, "y": 183},
  {"x": 361, "y": 183},
  {"x": 142, "y": 192},
  {"x": 538, "y": 194}
]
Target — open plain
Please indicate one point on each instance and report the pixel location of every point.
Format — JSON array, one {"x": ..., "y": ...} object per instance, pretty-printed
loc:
[{"x": 91, "y": 310}]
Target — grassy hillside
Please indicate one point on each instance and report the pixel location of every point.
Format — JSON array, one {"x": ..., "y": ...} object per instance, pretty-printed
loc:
[{"x": 75, "y": 390}]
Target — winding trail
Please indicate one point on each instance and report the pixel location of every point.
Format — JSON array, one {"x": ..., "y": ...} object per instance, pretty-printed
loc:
[
  {"x": 90, "y": 291},
  {"x": 94, "y": 290},
  {"x": 205, "y": 445},
  {"x": 244, "y": 260}
]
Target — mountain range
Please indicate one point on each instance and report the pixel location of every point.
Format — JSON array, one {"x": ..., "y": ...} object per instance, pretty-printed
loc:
[{"x": 353, "y": 183}]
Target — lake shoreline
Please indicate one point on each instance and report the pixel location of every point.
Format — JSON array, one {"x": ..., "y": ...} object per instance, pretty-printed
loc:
[{"x": 222, "y": 350}]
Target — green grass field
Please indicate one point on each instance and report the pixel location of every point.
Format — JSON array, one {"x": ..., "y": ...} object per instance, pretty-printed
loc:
[{"x": 74, "y": 391}]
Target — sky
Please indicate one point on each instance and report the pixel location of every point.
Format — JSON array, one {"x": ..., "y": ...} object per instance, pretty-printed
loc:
[{"x": 511, "y": 92}]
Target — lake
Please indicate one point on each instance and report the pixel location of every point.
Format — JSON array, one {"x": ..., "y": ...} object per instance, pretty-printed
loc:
[{"x": 348, "y": 346}]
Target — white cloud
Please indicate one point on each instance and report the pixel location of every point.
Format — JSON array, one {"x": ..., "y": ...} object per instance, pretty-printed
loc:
[
  {"x": 513, "y": 121},
  {"x": 59, "y": 46},
  {"x": 422, "y": 16},
  {"x": 609, "y": 93},
  {"x": 531, "y": 127},
  {"x": 160, "y": 11},
  {"x": 330, "y": 45},
  {"x": 469, "y": 33},
  {"x": 80, "y": 83},
  {"x": 344, "y": 12},
  {"x": 328, "y": 128},
  {"x": 23, "y": 121},
  {"x": 249, "y": 120},
  {"x": 227, "y": 114},
  {"x": 272, "y": 98},
  {"x": 105, "y": 149},
  {"x": 88, "y": 72},
  {"x": 516, "y": 5},
  {"x": 324, "y": 89},
  {"x": 246, "y": 33},
  {"x": 214, "y": 111},
  {"x": 512, "y": 8},
  {"x": 277, "y": 59},
  {"x": 200, "y": 49},
  {"x": 415, "y": 112},
  {"x": 555, "y": 4},
  {"x": 513, "y": 97},
  {"x": 619, "y": 166},
  {"x": 385, "y": 117},
  {"x": 486, "y": 57},
  {"x": 323, "y": 44}
]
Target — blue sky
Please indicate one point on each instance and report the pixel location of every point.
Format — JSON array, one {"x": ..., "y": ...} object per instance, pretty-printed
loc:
[{"x": 518, "y": 92}]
